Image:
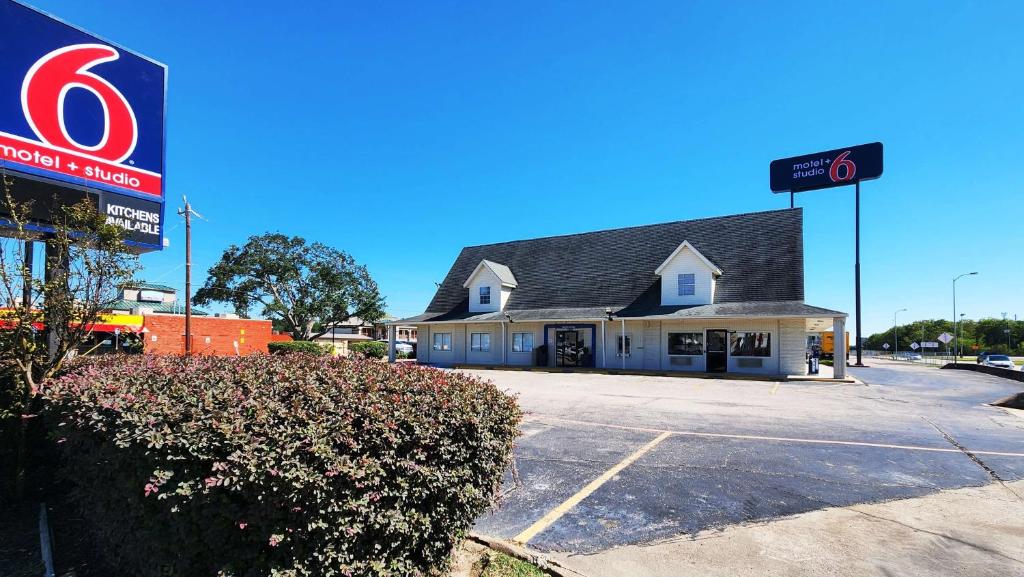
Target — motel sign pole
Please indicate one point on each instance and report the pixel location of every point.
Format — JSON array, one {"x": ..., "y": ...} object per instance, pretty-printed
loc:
[
  {"x": 856, "y": 271},
  {"x": 838, "y": 167}
]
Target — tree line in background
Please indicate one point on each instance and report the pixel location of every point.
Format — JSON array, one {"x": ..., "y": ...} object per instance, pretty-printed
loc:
[{"x": 988, "y": 334}]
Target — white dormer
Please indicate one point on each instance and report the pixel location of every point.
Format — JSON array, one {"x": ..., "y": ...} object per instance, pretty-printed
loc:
[
  {"x": 687, "y": 277},
  {"x": 489, "y": 286}
]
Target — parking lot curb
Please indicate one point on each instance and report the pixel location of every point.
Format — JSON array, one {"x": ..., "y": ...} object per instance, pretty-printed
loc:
[{"x": 511, "y": 549}]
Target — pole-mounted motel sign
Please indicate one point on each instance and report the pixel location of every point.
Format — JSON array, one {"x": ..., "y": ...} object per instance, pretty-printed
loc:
[
  {"x": 837, "y": 167},
  {"x": 81, "y": 118},
  {"x": 827, "y": 169}
]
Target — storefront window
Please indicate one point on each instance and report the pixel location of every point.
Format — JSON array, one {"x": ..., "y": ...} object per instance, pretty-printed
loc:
[
  {"x": 751, "y": 344},
  {"x": 686, "y": 343}
]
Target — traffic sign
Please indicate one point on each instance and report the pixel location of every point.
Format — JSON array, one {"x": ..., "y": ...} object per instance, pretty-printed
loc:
[
  {"x": 945, "y": 338},
  {"x": 930, "y": 345},
  {"x": 885, "y": 346},
  {"x": 915, "y": 346}
]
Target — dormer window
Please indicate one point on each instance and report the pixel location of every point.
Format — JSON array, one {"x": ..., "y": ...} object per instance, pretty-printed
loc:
[
  {"x": 687, "y": 284},
  {"x": 490, "y": 286},
  {"x": 688, "y": 278}
]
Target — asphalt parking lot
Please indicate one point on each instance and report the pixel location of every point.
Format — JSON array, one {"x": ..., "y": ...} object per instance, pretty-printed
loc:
[{"x": 610, "y": 461}]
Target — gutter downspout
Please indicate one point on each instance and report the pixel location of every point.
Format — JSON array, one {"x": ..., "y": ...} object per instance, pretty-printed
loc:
[{"x": 504, "y": 345}]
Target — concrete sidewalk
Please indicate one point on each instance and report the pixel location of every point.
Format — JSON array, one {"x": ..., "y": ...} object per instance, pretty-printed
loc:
[{"x": 974, "y": 531}]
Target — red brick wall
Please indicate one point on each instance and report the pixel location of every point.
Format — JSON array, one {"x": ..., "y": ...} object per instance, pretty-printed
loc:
[{"x": 252, "y": 335}]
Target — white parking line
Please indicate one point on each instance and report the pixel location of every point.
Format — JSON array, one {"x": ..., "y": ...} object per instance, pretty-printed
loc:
[{"x": 776, "y": 439}]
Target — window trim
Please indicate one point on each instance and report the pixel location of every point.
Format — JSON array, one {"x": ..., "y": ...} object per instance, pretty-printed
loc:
[
  {"x": 441, "y": 346},
  {"x": 628, "y": 347},
  {"x": 522, "y": 342},
  {"x": 668, "y": 335},
  {"x": 683, "y": 285},
  {"x": 479, "y": 348},
  {"x": 485, "y": 291}
]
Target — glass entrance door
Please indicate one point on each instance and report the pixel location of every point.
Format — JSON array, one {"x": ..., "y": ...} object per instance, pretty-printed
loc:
[
  {"x": 568, "y": 349},
  {"x": 717, "y": 360}
]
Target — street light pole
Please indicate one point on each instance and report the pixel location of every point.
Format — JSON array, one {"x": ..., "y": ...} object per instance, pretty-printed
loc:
[
  {"x": 956, "y": 340},
  {"x": 896, "y": 334}
]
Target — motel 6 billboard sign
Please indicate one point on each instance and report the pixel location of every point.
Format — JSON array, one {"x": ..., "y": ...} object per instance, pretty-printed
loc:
[
  {"x": 827, "y": 169},
  {"x": 82, "y": 118}
]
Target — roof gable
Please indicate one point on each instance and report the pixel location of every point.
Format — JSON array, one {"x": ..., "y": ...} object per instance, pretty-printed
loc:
[
  {"x": 687, "y": 246},
  {"x": 762, "y": 253},
  {"x": 501, "y": 271}
]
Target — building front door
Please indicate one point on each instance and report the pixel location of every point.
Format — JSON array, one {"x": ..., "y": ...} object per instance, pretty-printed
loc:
[
  {"x": 717, "y": 342},
  {"x": 568, "y": 349}
]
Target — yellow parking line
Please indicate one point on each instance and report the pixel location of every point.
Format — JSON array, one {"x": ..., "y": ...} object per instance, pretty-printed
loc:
[
  {"x": 556, "y": 513},
  {"x": 776, "y": 387}
]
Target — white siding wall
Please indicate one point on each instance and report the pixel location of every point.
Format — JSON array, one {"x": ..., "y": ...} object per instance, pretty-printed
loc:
[
  {"x": 490, "y": 357},
  {"x": 683, "y": 263},
  {"x": 524, "y": 359},
  {"x": 793, "y": 347},
  {"x": 424, "y": 343},
  {"x": 485, "y": 278},
  {"x": 649, "y": 345},
  {"x": 638, "y": 345}
]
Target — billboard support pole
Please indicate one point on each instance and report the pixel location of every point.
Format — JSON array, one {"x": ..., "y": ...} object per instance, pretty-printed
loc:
[
  {"x": 188, "y": 279},
  {"x": 56, "y": 267},
  {"x": 856, "y": 268},
  {"x": 26, "y": 289}
]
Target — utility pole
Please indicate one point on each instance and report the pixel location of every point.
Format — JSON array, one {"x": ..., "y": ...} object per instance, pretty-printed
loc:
[{"x": 187, "y": 212}]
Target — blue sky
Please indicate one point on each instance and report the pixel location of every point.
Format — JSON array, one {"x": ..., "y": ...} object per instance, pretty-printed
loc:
[{"x": 402, "y": 132}]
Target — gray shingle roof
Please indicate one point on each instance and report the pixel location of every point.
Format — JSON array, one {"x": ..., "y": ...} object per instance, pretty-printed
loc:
[
  {"x": 503, "y": 273},
  {"x": 761, "y": 254}
]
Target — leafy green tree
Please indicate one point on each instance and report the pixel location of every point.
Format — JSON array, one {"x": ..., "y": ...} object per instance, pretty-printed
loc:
[{"x": 304, "y": 288}]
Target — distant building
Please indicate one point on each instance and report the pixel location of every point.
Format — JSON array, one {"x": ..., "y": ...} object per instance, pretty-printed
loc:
[
  {"x": 356, "y": 329},
  {"x": 149, "y": 317}
]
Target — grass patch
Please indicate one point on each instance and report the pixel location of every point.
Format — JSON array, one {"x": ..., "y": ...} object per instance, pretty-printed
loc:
[{"x": 500, "y": 565}]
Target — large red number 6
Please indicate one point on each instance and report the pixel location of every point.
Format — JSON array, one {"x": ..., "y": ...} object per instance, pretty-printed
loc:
[
  {"x": 47, "y": 84},
  {"x": 842, "y": 161}
]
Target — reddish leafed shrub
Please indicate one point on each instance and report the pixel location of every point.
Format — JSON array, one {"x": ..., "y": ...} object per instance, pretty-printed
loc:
[{"x": 278, "y": 465}]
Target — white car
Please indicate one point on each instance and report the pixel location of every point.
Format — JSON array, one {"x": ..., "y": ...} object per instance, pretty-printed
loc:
[{"x": 1001, "y": 361}]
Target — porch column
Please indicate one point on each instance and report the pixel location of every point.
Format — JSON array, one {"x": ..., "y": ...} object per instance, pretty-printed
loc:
[
  {"x": 391, "y": 342},
  {"x": 604, "y": 347},
  {"x": 839, "y": 348}
]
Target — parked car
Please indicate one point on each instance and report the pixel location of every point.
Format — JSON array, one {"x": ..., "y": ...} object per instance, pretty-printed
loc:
[
  {"x": 1001, "y": 361},
  {"x": 913, "y": 356},
  {"x": 402, "y": 347},
  {"x": 981, "y": 357}
]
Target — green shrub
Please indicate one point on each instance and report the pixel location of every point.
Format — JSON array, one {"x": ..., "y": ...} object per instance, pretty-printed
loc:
[
  {"x": 278, "y": 465},
  {"x": 370, "y": 349},
  {"x": 284, "y": 347}
]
